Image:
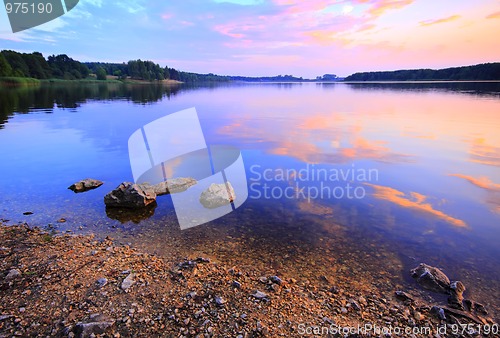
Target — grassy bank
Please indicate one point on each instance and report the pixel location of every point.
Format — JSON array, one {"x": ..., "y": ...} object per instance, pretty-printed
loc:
[
  {"x": 87, "y": 80},
  {"x": 27, "y": 81},
  {"x": 18, "y": 81},
  {"x": 165, "y": 82}
]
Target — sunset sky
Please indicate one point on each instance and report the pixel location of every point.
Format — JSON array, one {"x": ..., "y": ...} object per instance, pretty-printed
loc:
[{"x": 271, "y": 37}]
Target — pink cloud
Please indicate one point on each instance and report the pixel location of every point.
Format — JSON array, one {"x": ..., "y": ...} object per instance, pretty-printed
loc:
[
  {"x": 438, "y": 21},
  {"x": 295, "y": 24},
  {"x": 167, "y": 16},
  {"x": 228, "y": 31},
  {"x": 378, "y": 7},
  {"x": 495, "y": 15},
  {"x": 366, "y": 27}
]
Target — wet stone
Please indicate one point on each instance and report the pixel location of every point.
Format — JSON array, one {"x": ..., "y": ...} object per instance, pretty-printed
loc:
[
  {"x": 217, "y": 195},
  {"x": 438, "y": 312},
  {"x": 84, "y": 330},
  {"x": 431, "y": 278},
  {"x": 276, "y": 279},
  {"x": 456, "y": 295},
  {"x": 101, "y": 282},
  {"x": 13, "y": 274},
  {"x": 85, "y": 185},
  {"x": 403, "y": 296},
  {"x": 128, "y": 282},
  {"x": 219, "y": 301},
  {"x": 259, "y": 294}
]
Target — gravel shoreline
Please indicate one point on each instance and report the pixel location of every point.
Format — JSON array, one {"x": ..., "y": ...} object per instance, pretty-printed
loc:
[{"x": 77, "y": 286}]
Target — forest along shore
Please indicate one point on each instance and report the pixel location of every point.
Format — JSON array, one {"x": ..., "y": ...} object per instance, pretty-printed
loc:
[{"x": 78, "y": 286}]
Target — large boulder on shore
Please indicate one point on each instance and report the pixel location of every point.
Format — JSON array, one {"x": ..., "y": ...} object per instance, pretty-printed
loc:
[
  {"x": 130, "y": 195},
  {"x": 431, "y": 278},
  {"x": 217, "y": 195},
  {"x": 174, "y": 185},
  {"x": 85, "y": 185}
]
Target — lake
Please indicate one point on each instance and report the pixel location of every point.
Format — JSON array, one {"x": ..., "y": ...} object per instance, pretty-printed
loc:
[{"x": 378, "y": 177}]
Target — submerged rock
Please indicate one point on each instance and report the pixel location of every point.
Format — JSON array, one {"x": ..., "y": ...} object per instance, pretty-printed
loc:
[
  {"x": 130, "y": 195},
  {"x": 217, "y": 195},
  {"x": 124, "y": 215},
  {"x": 431, "y": 278},
  {"x": 174, "y": 185},
  {"x": 85, "y": 185}
]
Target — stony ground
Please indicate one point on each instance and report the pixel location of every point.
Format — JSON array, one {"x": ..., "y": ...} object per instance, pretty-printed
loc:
[{"x": 78, "y": 286}]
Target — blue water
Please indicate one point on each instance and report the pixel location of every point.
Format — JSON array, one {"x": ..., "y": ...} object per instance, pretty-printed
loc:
[{"x": 433, "y": 151}]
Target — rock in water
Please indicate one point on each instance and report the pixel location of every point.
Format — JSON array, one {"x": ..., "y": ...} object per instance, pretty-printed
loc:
[
  {"x": 130, "y": 195},
  {"x": 456, "y": 295},
  {"x": 431, "y": 278},
  {"x": 85, "y": 185},
  {"x": 217, "y": 195},
  {"x": 174, "y": 185}
]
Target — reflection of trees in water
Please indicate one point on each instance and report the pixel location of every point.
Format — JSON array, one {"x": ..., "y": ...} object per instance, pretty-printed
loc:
[
  {"x": 471, "y": 88},
  {"x": 72, "y": 95}
]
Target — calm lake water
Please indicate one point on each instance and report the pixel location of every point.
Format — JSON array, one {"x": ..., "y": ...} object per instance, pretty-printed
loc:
[{"x": 411, "y": 168}]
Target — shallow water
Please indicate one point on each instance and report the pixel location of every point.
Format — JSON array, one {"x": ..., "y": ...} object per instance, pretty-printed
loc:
[{"x": 391, "y": 174}]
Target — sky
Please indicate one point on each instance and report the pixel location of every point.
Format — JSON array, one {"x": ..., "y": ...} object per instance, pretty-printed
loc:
[{"x": 271, "y": 37}]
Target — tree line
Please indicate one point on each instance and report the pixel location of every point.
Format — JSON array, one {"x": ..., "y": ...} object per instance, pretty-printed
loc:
[
  {"x": 485, "y": 71},
  {"x": 150, "y": 71},
  {"x": 34, "y": 65}
]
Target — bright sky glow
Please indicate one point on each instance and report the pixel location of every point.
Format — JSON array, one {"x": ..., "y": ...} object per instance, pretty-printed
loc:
[{"x": 271, "y": 37}]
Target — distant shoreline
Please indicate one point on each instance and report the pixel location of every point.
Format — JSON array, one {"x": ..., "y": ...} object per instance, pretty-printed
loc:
[
  {"x": 368, "y": 82},
  {"x": 9, "y": 82},
  {"x": 425, "y": 81}
]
